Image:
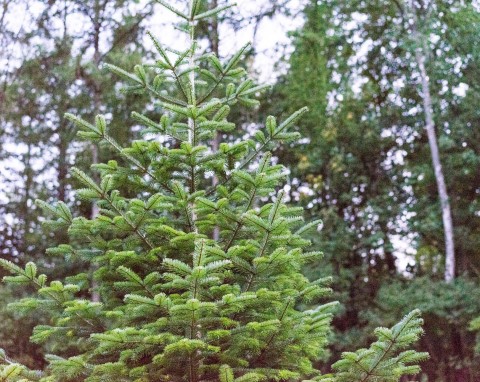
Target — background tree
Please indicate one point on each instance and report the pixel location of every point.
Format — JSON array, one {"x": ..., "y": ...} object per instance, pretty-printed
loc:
[
  {"x": 49, "y": 73},
  {"x": 342, "y": 172},
  {"x": 420, "y": 58},
  {"x": 370, "y": 144}
]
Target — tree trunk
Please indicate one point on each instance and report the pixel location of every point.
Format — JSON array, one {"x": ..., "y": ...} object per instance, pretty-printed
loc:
[
  {"x": 213, "y": 39},
  {"x": 437, "y": 165},
  {"x": 96, "y": 105},
  {"x": 62, "y": 168}
]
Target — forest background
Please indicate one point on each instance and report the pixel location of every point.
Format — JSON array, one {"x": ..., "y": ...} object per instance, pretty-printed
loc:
[{"x": 364, "y": 168}]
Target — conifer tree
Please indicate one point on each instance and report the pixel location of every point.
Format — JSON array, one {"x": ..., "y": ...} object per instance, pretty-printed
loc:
[{"x": 175, "y": 304}]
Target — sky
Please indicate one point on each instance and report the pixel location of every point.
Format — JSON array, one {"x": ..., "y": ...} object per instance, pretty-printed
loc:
[{"x": 271, "y": 33}]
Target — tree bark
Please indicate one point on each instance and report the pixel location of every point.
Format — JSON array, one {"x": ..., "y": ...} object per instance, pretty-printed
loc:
[
  {"x": 96, "y": 105},
  {"x": 213, "y": 39},
  {"x": 436, "y": 162}
]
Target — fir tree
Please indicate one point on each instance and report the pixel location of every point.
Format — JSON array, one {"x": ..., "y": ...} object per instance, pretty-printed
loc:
[{"x": 177, "y": 305}]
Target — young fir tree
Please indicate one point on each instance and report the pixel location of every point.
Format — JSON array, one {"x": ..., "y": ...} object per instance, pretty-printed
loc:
[{"x": 177, "y": 305}]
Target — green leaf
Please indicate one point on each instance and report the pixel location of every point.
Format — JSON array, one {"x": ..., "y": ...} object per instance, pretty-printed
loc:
[
  {"x": 81, "y": 123},
  {"x": 236, "y": 57},
  {"x": 225, "y": 374},
  {"x": 213, "y": 12},
  {"x": 271, "y": 125},
  {"x": 122, "y": 73},
  {"x": 159, "y": 48},
  {"x": 101, "y": 124},
  {"x": 30, "y": 270},
  {"x": 86, "y": 180},
  {"x": 291, "y": 120},
  {"x": 129, "y": 275},
  {"x": 173, "y": 9}
]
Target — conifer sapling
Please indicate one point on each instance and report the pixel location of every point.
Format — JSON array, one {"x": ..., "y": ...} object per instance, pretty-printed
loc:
[{"x": 177, "y": 305}]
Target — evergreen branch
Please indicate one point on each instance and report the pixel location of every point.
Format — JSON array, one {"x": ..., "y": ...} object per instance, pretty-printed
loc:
[
  {"x": 11, "y": 267},
  {"x": 160, "y": 49},
  {"x": 134, "y": 228},
  {"x": 101, "y": 132},
  {"x": 183, "y": 55},
  {"x": 224, "y": 72},
  {"x": 123, "y": 73},
  {"x": 213, "y": 12},
  {"x": 309, "y": 226},
  {"x": 179, "y": 267},
  {"x": 148, "y": 122},
  {"x": 85, "y": 179},
  {"x": 180, "y": 84},
  {"x": 392, "y": 342},
  {"x": 162, "y": 97},
  {"x": 13, "y": 368},
  {"x": 236, "y": 57},
  {"x": 90, "y": 182},
  {"x": 173, "y": 9},
  {"x": 380, "y": 355},
  {"x": 193, "y": 8},
  {"x": 165, "y": 98},
  {"x": 274, "y": 334},
  {"x": 287, "y": 123},
  {"x": 179, "y": 192},
  {"x": 198, "y": 254},
  {"x": 263, "y": 165},
  {"x": 134, "y": 161},
  {"x": 237, "y": 262},
  {"x": 272, "y": 217},
  {"x": 232, "y": 98},
  {"x": 275, "y": 208},
  {"x": 213, "y": 88},
  {"x": 120, "y": 150},
  {"x": 220, "y": 210},
  {"x": 225, "y": 374},
  {"x": 39, "y": 282}
]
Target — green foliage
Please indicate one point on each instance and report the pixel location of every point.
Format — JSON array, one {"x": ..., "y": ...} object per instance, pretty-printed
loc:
[
  {"x": 365, "y": 167},
  {"x": 18, "y": 346},
  {"x": 37, "y": 148},
  {"x": 385, "y": 360},
  {"x": 455, "y": 114},
  {"x": 475, "y": 326},
  {"x": 447, "y": 309},
  {"x": 176, "y": 304},
  {"x": 341, "y": 171}
]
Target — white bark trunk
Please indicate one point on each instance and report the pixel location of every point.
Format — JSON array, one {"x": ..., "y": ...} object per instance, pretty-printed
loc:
[{"x": 437, "y": 165}]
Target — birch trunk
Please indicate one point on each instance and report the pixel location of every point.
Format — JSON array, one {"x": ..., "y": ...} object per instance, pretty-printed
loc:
[{"x": 435, "y": 153}]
